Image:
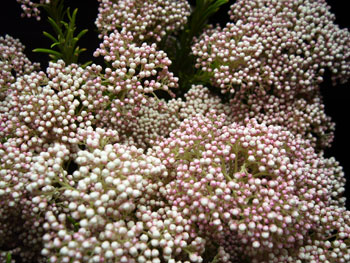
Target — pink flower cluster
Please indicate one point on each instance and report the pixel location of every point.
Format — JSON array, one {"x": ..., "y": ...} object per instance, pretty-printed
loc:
[
  {"x": 136, "y": 69},
  {"x": 274, "y": 64},
  {"x": 109, "y": 209},
  {"x": 332, "y": 245},
  {"x": 156, "y": 120},
  {"x": 20, "y": 227},
  {"x": 95, "y": 168},
  {"x": 13, "y": 62},
  {"x": 41, "y": 108},
  {"x": 146, "y": 20},
  {"x": 31, "y": 8},
  {"x": 255, "y": 186},
  {"x": 286, "y": 45},
  {"x": 301, "y": 116}
]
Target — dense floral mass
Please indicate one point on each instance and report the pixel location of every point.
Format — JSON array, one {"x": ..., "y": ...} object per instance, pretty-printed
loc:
[
  {"x": 120, "y": 162},
  {"x": 253, "y": 185},
  {"x": 13, "y": 63},
  {"x": 301, "y": 116},
  {"x": 285, "y": 45},
  {"x": 145, "y": 20}
]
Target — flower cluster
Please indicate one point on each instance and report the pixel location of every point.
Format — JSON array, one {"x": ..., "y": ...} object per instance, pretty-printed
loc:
[
  {"x": 274, "y": 66},
  {"x": 146, "y": 20},
  {"x": 332, "y": 244},
  {"x": 31, "y": 8},
  {"x": 299, "y": 116},
  {"x": 103, "y": 164},
  {"x": 13, "y": 62},
  {"x": 157, "y": 120},
  {"x": 286, "y": 45},
  {"x": 129, "y": 85},
  {"x": 41, "y": 108},
  {"x": 108, "y": 208},
  {"x": 199, "y": 100},
  {"x": 256, "y": 184},
  {"x": 136, "y": 70}
]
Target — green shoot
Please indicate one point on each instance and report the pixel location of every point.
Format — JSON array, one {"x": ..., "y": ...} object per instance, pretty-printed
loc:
[
  {"x": 8, "y": 257},
  {"x": 65, "y": 42}
]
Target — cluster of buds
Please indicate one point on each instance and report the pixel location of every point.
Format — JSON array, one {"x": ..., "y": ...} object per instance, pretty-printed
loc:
[
  {"x": 95, "y": 168},
  {"x": 21, "y": 231},
  {"x": 20, "y": 224},
  {"x": 100, "y": 194},
  {"x": 199, "y": 100},
  {"x": 282, "y": 44},
  {"x": 146, "y": 20},
  {"x": 299, "y": 116},
  {"x": 154, "y": 121},
  {"x": 332, "y": 244},
  {"x": 41, "y": 108},
  {"x": 257, "y": 184},
  {"x": 13, "y": 62},
  {"x": 31, "y": 8},
  {"x": 318, "y": 41},
  {"x": 107, "y": 207},
  {"x": 136, "y": 73}
]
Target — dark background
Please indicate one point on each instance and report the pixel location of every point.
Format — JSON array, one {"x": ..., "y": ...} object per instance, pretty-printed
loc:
[{"x": 29, "y": 31}]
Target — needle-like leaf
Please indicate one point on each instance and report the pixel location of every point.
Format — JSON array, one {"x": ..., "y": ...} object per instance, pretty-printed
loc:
[
  {"x": 48, "y": 51},
  {"x": 48, "y": 35}
]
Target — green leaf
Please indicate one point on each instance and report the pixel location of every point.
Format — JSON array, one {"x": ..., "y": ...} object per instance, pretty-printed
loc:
[
  {"x": 48, "y": 51},
  {"x": 68, "y": 14},
  {"x": 86, "y": 64},
  {"x": 214, "y": 7},
  {"x": 82, "y": 33},
  {"x": 8, "y": 257},
  {"x": 77, "y": 51},
  {"x": 73, "y": 18},
  {"x": 54, "y": 44},
  {"x": 65, "y": 24},
  {"x": 64, "y": 44},
  {"x": 55, "y": 27},
  {"x": 74, "y": 223},
  {"x": 204, "y": 9},
  {"x": 48, "y": 35},
  {"x": 55, "y": 10}
]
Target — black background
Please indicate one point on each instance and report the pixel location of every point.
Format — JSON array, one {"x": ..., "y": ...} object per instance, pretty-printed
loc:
[{"x": 29, "y": 31}]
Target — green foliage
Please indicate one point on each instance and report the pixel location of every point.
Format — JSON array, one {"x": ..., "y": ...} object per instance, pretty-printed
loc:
[
  {"x": 8, "y": 257},
  {"x": 184, "y": 60},
  {"x": 74, "y": 223},
  {"x": 55, "y": 10},
  {"x": 65, "y": 43},
  {"x": 4, "y": 139},
  {"x": 204, "y": 9}
]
